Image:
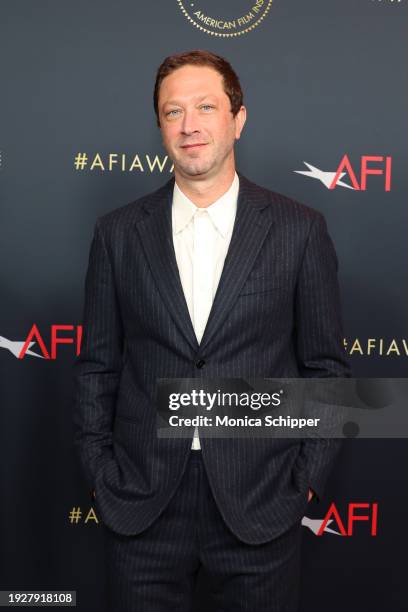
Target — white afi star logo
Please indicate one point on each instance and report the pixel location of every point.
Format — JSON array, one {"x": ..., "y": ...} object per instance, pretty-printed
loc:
[
  {"x": 325, "y": 177},
  {"x": 15, "y": 346},
  {"x": 315, "y": 524}
]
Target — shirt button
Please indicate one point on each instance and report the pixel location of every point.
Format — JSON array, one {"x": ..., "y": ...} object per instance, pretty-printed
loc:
[{"x": 200, "y": 363}]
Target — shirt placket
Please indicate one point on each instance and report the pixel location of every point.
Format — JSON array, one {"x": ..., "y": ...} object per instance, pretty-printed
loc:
[{"x": 203, "y": 272}]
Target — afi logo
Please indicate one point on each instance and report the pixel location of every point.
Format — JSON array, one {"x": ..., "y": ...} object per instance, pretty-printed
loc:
[
  {"x": 21, "y": 348},
  {"x": 370, "y": 165},
  {"x": 356, "y": 512}
]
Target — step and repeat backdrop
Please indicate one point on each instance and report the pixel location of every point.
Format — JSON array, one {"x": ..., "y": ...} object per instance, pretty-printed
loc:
[{"x": 325, "y": 86}]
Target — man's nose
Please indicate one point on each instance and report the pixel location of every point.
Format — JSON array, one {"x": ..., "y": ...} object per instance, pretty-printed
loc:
[{"x": 190, "y": 122}]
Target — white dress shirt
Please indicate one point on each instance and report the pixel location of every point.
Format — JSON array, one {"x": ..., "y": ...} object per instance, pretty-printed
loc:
[{"x": 201, "y": 238}]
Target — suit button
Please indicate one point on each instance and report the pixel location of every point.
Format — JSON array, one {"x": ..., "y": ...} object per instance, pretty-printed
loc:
[{"x": 200, "y": 363}]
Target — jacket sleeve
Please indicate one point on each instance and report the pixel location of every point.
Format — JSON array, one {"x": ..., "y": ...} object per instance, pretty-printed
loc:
[
  {"x": 319, "y": 338},
  {"x": 97, "y": 369}
]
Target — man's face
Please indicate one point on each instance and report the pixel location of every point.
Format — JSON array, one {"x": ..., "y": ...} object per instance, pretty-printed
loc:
[{"x": 196, "y": 121}]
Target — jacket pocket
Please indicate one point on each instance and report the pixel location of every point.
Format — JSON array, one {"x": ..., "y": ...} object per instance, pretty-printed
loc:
[{"x": 261, "y": 284}]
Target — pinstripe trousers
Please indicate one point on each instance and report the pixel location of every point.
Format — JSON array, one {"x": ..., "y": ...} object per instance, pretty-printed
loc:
[{"x": 156, "y": 570}]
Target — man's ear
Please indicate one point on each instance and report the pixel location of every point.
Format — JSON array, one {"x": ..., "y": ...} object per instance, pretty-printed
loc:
[{"x": 240, "y": 119}]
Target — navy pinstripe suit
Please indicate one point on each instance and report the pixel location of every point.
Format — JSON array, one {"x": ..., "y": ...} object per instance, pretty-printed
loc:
[{"x": 276, "y": 313}]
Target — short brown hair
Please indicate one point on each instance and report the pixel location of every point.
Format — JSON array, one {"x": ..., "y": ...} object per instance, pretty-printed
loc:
[{"x": 199, "y": 57}]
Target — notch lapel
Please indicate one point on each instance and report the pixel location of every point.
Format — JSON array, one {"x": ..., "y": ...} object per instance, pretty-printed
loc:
[
  {"x": 250, "y": 229},
  {"x": 155, "y": 232}
]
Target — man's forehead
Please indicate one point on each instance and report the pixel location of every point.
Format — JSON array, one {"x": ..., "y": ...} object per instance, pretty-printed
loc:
[
  {"x": 188, "y": 76},
  {"x": 194, "y": 98}
]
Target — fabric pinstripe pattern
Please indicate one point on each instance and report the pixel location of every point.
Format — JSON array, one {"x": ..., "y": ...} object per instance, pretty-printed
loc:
[
  {"x": 276, "y": 313},
  {"x": 156, "y": 570}
]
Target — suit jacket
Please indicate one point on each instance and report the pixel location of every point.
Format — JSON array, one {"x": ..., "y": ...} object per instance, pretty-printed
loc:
[{"x": 276, "y": 313}]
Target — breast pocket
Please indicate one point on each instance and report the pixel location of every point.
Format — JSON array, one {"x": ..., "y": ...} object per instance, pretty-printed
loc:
[{"x": 261, "y": 284}]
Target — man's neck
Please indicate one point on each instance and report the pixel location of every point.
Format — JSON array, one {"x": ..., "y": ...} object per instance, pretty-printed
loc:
[{"x": 206, "y": 191}]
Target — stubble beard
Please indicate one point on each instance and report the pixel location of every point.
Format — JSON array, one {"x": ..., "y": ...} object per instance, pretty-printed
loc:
[{"x": 196, "y": 167}]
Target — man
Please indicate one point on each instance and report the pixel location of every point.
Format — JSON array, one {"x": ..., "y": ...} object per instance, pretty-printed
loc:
[{"x": 209, "y": 276}]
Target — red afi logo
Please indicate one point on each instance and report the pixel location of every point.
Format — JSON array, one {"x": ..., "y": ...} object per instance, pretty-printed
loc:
[
  {"x": 365, "y": 170},
  {"x": 346, "y": 529},
  {"x": 34, "y": 335},
  {"x": 370, "y": 165}
]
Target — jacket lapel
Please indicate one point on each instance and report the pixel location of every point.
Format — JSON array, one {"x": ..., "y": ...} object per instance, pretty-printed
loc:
[
  {"x": 250, "y": 230},
  {"x": 155, "y": 232}
]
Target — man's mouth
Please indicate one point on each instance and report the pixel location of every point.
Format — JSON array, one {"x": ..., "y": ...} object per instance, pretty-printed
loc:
[{"x": 195, "y": 145}]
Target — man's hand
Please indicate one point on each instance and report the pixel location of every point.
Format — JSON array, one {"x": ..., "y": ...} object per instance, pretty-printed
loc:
[{"x": 311, "y": 494}]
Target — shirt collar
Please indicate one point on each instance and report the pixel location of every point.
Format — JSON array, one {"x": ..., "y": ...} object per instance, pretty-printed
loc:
[{"x": 222, "y": 211}]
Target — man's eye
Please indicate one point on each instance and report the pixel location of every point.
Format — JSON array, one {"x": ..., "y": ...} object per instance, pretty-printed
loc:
[
  {"x": 206, "y": 107},
  {"x": 172, "y": 113}
]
